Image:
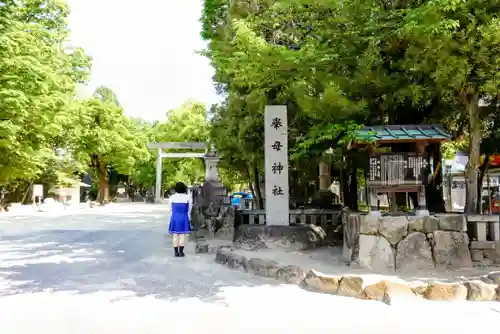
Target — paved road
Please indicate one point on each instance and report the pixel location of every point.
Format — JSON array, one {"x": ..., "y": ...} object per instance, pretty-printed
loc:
[{"x": 113, "y": 272}]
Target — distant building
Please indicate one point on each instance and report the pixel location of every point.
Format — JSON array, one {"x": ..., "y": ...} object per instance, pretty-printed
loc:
[{"x": 454, "y": 189}]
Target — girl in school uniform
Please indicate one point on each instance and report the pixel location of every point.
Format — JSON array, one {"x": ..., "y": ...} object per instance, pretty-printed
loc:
[{"x": 179, "y": 220}]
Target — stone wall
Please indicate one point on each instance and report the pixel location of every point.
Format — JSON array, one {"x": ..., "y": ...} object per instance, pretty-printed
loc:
[
  {"x": 485, "y": 253},
  {"x": 406, "y": 243}
]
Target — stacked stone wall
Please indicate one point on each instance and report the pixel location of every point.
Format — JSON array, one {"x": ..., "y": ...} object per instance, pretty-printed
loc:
[{"x": 406, "y": 243}]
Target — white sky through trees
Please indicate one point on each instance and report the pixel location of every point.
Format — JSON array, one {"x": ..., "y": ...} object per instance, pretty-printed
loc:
[{"x": 145, "y": 51}]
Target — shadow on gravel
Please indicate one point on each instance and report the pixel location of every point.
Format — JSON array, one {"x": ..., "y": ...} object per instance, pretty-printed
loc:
[{"x": 135, "y": 260}]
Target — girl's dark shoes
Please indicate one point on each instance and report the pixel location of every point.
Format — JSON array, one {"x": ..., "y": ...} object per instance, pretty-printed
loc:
[{"x": 179, "y": 251}]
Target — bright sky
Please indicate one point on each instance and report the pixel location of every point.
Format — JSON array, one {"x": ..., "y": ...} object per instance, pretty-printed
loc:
[{"x": 145, "y": 51}]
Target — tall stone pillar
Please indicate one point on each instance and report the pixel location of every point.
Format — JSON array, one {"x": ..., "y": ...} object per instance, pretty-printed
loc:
[
  {"x": 158, "y": 194},
  {"x": 276, "y": 165},
  {"x": 211, "y": 173}
]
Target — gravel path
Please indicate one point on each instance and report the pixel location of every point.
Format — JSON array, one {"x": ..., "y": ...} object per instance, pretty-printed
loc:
[{"x": 112, "y": 271}]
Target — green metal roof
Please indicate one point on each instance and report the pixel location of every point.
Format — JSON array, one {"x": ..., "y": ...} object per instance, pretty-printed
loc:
[{"x": 388, "y": 133}]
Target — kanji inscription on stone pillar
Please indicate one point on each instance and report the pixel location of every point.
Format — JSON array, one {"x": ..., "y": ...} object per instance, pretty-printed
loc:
[{"x": 276, "y": 165}]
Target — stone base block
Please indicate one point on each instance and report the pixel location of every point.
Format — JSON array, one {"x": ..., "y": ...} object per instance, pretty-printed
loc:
[
  {"x": 485, "y": 253},
  {"x": 373, "y": 252},
  {"x": 450, "y": 249},
  {"x": 300, "y": 237}
]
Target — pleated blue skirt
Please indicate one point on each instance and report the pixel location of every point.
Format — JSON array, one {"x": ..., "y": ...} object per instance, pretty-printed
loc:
[{"x": 179, "y": 220}]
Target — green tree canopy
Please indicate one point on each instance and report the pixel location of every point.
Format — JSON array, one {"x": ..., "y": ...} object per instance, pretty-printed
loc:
[
  {"x": 107, "y": 139},
  {"x": 49, "y": 134},
  {"x": 341, "y": 64},
  {"x": 38, "y": 76}
]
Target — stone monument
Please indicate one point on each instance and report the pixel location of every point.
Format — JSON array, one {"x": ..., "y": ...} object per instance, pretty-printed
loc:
[
  {"x": 278, "y": 228},
  {"x": 276, "y": 165},
  {"x": 212, "y": 214}
]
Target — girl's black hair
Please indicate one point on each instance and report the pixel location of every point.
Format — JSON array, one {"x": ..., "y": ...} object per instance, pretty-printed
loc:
[{"x": 180, "y": 188}]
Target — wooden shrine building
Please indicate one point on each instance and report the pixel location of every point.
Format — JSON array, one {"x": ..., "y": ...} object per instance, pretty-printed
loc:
[{"x": 403, "y": 160}]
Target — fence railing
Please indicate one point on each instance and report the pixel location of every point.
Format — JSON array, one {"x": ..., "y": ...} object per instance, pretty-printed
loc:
[
  {"x": 247, "y": 204},
  {"x": 320, "y": 217},
  {"x": 484, "y": 227}
]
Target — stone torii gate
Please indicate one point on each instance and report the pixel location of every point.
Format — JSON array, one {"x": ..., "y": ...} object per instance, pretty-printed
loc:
[{"x": 210, "y": 156}]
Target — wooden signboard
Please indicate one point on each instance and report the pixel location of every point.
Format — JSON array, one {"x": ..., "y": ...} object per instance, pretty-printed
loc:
[
  {"x": 395, "y": 170},
  {"x": 38, "y": 190}
]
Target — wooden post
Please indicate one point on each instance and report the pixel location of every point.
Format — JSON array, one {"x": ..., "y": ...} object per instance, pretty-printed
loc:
[
  {"x": 422, "y": 205},
  {"x": 394, "y": 205},
  {"x": 449, "y": 178}
]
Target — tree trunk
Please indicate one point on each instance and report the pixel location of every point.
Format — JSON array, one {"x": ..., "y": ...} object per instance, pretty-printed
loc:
[
  {"x": 251, "y": 187},
  {"x": 258, "y": 193},
  {"x": 25, "y": 196},
  {"x": 104, "y": 190},
  {"x": 103, "y": 178},
  {"x": 434, "y": 192},
  {"x": 482, "y": 171},
  {"x": 353, "y": 190},
  {"x": 344, "y": 188},
  {"x": 294, "y": 187},
  {"x": 438, "y": 180},
  {"x": 471, "y": 170}
]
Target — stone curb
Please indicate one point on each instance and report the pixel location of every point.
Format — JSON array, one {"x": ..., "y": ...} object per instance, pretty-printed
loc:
[
  {"x": 259, "y": 267},
  {"x": 203, "y": 247},
  {"x": 481, "y": 288}
]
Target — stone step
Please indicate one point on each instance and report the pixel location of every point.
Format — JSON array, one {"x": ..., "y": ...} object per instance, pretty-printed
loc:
[
  {"x": 483, "y": 218},
  {"x": 483, "y": 244}
]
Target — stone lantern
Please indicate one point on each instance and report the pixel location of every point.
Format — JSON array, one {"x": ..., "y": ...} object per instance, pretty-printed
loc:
[{"x": 121, "y": 192}]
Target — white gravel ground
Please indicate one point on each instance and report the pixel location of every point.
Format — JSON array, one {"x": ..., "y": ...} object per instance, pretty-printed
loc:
[{"x": 111, "y": 271}]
